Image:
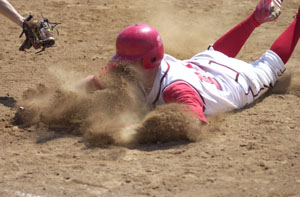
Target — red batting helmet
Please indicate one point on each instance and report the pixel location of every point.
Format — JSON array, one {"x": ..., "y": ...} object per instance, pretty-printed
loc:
[{"x": 140, "y": 42}]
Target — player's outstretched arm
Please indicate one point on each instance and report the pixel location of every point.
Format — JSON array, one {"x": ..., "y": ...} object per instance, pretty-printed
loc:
[
  {"x": 10, "y": 12},
  {"x": 88, "y": 84},
  {"x": 94, "y": 82}
]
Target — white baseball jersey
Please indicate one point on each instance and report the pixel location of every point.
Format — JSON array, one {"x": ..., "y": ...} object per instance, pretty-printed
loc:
[{"x": 222, "y": 83}]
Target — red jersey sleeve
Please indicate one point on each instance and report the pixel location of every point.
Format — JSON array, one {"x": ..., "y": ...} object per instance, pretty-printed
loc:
[{"x": 181, "y": 92}]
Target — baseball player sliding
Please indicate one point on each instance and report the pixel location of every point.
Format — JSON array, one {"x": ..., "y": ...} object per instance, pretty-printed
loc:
[{"x": 212, "y": 81}]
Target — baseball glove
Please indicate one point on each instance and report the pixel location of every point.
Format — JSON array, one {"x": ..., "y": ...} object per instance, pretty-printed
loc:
[{"x": 39, "y": 33}]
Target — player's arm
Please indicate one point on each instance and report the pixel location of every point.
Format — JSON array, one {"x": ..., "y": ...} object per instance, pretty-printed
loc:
[
  {"x": 10, "y": 12},
  {"x": 93, "y": 82},
  {"x": 181, "y": 92},
  {"x": 88, "y": 84}
]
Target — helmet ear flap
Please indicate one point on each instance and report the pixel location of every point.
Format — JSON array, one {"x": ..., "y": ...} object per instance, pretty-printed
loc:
[
  {"x": 153, "y": 59},
  {"x": 149, "y": 62}
]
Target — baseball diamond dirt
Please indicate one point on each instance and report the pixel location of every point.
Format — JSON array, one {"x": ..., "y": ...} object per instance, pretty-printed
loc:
[{"x": 68, "y": 144}]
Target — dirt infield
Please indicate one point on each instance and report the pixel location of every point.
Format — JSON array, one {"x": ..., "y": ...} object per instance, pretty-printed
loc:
[{"x": 252, "y": 152}]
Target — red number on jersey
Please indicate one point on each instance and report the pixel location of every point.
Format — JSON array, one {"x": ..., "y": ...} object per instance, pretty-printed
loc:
[{"x": 210, "y": 80}]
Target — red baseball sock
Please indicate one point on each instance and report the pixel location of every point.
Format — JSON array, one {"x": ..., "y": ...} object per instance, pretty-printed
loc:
[
  {"x": 285, "y": 44},
  {"x": 232, "y": 42}
]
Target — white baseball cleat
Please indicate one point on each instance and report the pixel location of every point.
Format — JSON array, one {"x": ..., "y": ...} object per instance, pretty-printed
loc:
[{"x": 267, "y": 10}]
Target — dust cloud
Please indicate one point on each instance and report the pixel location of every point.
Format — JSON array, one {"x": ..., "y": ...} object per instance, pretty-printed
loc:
[
  {"x": 288, "y": 83},
  {"x": 283, "y": 84},
  {"x": 294, "y": 87},
  {"x": 116, "y": 115},
  {"x": 180, "y": 39}
]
